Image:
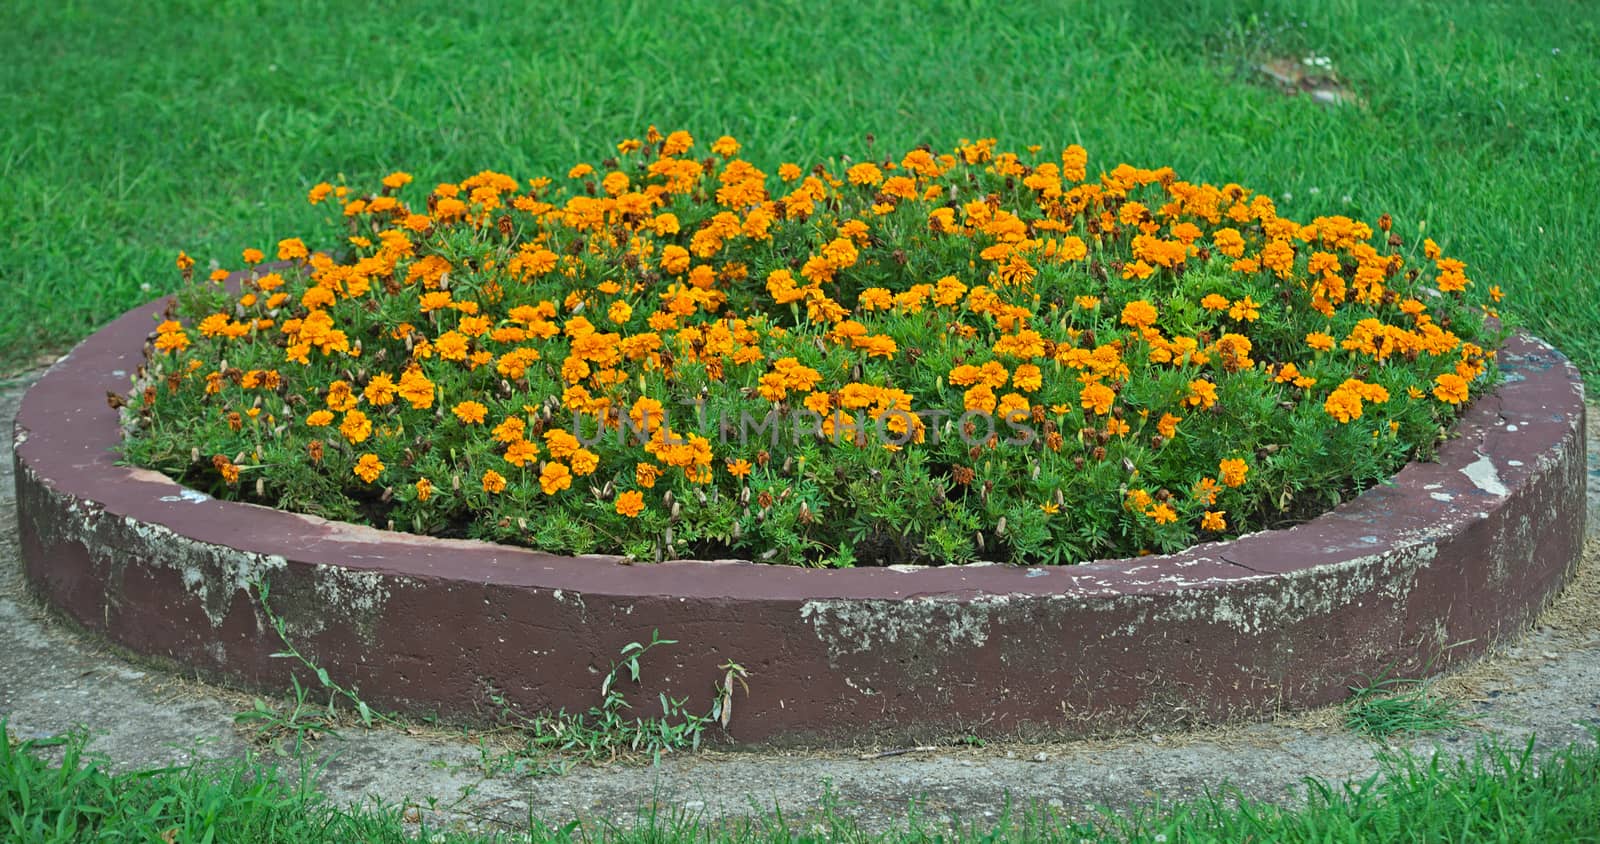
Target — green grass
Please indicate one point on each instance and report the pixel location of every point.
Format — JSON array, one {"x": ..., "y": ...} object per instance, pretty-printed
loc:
[
  {"x": 52, "y": 791},
  {"x": 137, "y": 129},
  {"x": 1392, "y": 706}
]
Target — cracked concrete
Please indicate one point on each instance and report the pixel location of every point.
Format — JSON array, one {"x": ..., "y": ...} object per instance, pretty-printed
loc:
[{"x": 1547, "y": 684}]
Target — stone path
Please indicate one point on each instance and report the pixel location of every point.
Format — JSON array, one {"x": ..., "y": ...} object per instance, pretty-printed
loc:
[{"x": 53, "y": 679}]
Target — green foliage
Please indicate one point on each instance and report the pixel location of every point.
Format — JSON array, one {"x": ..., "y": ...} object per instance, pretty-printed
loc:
[
  {"x": 717, "y": 362},
  {"x": 302, "y": 719},
  {"x": 53, "y": 792},
  {"x": 610, "y": 730},
  {"x": 549, "y": 742},
  {"x": 1389, "y": 706}
]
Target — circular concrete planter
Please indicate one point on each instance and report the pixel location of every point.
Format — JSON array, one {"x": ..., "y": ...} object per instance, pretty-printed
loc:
[{"x": 1414, "y": 576}]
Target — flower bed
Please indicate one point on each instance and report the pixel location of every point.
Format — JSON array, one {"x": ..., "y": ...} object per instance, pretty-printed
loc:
[{"x": 929, "y": 358}]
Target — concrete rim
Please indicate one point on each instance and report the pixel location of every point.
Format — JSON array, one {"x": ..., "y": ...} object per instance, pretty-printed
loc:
[{"x": 1420, "y": 574}]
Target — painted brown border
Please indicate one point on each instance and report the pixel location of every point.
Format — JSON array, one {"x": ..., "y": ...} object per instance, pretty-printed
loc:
[{"x": 1417, "y": 575}]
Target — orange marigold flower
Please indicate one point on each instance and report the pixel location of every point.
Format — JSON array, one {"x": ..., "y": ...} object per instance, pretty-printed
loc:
[
  {"x": 1141, "y": 271},
  {"x": 172, "y": 341},
  {"x": 584, "y": 462},
  {"x": 1233, "y": 470},
  {"x": 1213, "y": 521},
  {"x": 1343, "y": 404},
  {"x": 561, "y": 443},
  {"x": 380, "y": 390},
  {"x": 1163, "y": 514},
  {"x": 981, "y": 399},
  {"x": 677, "y": 143},
  {"x": 1097, "y": 397},
  {"x": 739, "y": 468},
  {"x": 865, "y": 173},
  {"x": 416, "y": 389},
  {"x": 226, "y": 468},
  {"x": 356, "y": 427},
  {"x": 675, "y": 259},
  {"x": 424, "y": 489},
  {"x": 319, "y": 418},
  {"x": 510, "y": 430},
  {"x": 369, "y": 467},
  {"x": 470, "y": 412},
  {"x": 554, "y": 478},
  {"x": 1278, "y": 256},
  {"x": 1202, "y": 394},
  {"x": 292, "y": 249},
  {"x": 493, "y": 482},
  {"x": 1139, "y": 314},
  {"x": 521, "y": 453},
  {"x": 1319, "y": 341},
  {"x": 646, "y": 474},
  {"x": 341, "y": 397},
  {"x": 630, "y": 503},
  {"x": 1451, "y": 388}
]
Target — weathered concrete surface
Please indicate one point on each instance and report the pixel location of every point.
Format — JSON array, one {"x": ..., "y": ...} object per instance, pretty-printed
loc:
[
  {"x": 1546, "y": 683},
  {"x": 1426, "y": 572}
]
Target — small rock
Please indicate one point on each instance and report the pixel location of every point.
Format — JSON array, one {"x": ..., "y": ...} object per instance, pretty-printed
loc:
[{"x": 1041, "y": 757}]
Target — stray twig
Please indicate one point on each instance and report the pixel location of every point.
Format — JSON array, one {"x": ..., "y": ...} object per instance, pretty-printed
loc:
[{"x": 899, "y": 751}]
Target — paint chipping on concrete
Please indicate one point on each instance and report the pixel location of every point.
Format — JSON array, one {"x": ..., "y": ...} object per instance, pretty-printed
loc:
[{"x": 1484, "y": 476}]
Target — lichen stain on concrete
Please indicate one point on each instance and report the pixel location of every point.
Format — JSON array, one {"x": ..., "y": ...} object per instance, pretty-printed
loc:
[
  {"x": 359, "y": 593},
  {"x": 1252, "y": 605},
  {"x": 1517, "y": 538},
  {"x": 212, "y": 573},
  {"x": 935, "y": 623},
  {"x": 1484, "y": 476},
  {"x": 1291, "y": 599}
]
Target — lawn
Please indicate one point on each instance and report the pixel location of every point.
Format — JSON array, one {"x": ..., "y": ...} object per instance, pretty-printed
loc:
[{"x": 134, "y": 131}]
